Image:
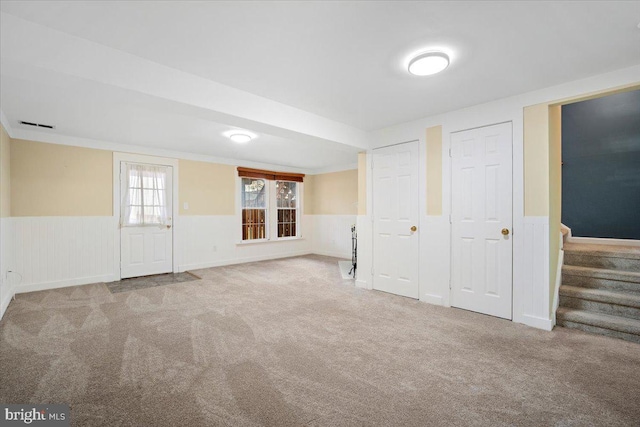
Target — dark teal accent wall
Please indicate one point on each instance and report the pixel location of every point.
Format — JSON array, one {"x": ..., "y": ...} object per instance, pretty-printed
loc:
[{"x": 601, "y": 166}]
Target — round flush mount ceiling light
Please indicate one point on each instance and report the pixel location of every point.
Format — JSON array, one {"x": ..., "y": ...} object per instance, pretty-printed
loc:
[
  {"x": 428, "y": 63},
  {"x": 240, "y": 138}
]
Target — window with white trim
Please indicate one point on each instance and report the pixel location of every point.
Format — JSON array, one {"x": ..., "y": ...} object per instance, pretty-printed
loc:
[
  {"x": 254, "y": 209},
  {"x": 144, "y": 201},
  {"x": 270, "y": 204},
  {"x": 287, "y": 203}
]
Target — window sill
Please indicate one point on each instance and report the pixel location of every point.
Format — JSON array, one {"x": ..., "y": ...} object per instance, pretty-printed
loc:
[{"x": 262, "y": 241}]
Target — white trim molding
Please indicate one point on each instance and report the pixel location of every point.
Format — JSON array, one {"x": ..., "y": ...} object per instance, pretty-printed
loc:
[
  {"x": 556, "y": 293},
  {"x": 537, "y": 322},
  {"x": 531, "y": 279},
  {"x": 234, "y": 261},
  {"x": 6, "y": 125},
  {"x": 6, "y": 300},
  {"x": 7, "y": 277},
  {"x": 603, "y": 241},
  {"x": 43, "y": 286}
]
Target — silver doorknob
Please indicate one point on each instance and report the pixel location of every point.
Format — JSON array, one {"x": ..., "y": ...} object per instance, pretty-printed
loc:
[
  {"x": 505, "y": 231},
  {"x": 414, "y": 228}
]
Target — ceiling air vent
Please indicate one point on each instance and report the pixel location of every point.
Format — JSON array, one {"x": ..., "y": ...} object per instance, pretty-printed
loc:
[{"x": 38, "y": 125}]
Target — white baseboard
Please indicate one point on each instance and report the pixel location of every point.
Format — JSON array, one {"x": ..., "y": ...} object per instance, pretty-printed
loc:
[
  {"x": 362, "y": 284},
  {"x": 556, "y": 295},
  {"x": 565, "y": 230},
  {"x": 537, "y": 322},
  {"x": 221, "y": 263},
  {"x": 5, "y": 303},
  {"x": 433, "y": 299},
  {"x": 599, "y": 241},
  {"x": 333, "y": 254},
  {"x": 33, "y": 287}
]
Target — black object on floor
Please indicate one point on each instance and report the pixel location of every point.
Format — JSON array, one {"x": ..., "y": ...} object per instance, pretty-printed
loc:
[{"x": 135, "y": 283}]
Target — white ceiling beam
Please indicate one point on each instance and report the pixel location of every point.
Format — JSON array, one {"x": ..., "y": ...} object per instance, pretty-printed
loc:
[{"x": 23, "y": 42}]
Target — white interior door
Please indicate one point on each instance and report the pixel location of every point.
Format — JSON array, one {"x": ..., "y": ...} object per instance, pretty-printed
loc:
[
  {"x": 146, "y": 233},
  {"x": 395, "y": 213},
  {"x": 481, "y": 216}
]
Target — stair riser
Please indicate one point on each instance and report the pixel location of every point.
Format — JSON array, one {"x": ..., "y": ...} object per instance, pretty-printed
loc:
[
  {"x": 599, "y": 331},
  {"x": 609, "y": 263},
  {"x": 597, "y": 283},
  {"x": 600, "y": 307}
]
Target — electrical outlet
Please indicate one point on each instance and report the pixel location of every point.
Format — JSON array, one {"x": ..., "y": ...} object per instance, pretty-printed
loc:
[
  {"x": 186, "y": 206},
  {"x": 215, "y": 248}
]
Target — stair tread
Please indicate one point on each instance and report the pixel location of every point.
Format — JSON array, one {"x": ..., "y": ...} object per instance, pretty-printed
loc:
[
  {"x": 606, "y": 321},
  {"x": 602, "y": 273},
  {"x": 627, "y": 299},
  {"x": 612, "y": 251}
]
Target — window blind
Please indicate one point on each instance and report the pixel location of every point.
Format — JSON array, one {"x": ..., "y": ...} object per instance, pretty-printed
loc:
[{"x": 270, "y": 175}]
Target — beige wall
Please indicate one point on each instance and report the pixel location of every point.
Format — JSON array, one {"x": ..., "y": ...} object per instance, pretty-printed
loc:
[
  {"x": 333, "y": 193},
  {"x": 434, "y": 170},
  {"x": 308, "y": 200},
  {"x": 555, "y": 194},
  {"x": 362, "y": 183},
  {"x": 59, "y": 180},
  {"x": 543, "y": 170},
  {"x": 536, "y": 160},
  {"x": 543, "y": 175},
  {"x": 208, "y": 188},
  {"x": 5, "y": 173}
]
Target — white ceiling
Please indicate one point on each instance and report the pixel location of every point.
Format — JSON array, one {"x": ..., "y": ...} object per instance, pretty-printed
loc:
[
  {"x": 106, "y": 113},
  {"x": 342, "y": 61}
]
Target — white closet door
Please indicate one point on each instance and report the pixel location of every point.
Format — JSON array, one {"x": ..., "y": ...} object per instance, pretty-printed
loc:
[
  {"x": 395, "y": 216},
  {"x": 481, "y": 251}
]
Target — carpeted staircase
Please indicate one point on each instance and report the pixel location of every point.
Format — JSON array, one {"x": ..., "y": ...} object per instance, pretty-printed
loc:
[{"x": 600, "y": 291}]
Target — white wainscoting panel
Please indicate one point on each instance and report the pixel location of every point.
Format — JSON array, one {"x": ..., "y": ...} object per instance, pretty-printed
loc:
[
  {"x": 6, "y": 263},
  {"x": 210, "y": 241},
  {"x": 435, "y": 259},
  {"x": 51, "y": 252},
  {"x": 556, "y": 288},
  {"x": 531, "y": 278},
  {"x": 332, "y": 235},
  {"x": 364, "y": 278}
]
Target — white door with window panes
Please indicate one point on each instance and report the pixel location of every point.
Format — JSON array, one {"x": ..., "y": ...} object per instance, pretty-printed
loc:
[{"x": 146, "y": 235}]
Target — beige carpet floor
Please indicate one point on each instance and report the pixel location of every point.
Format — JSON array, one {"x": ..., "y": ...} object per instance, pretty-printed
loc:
[{"x": 289, "y": 343}]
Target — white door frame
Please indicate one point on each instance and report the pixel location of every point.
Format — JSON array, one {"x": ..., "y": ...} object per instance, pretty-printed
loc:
[
  {"x": 514, "y": 219},
  {"x": 140, "y": 158},
  {"x": 419, "y": 191}
]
